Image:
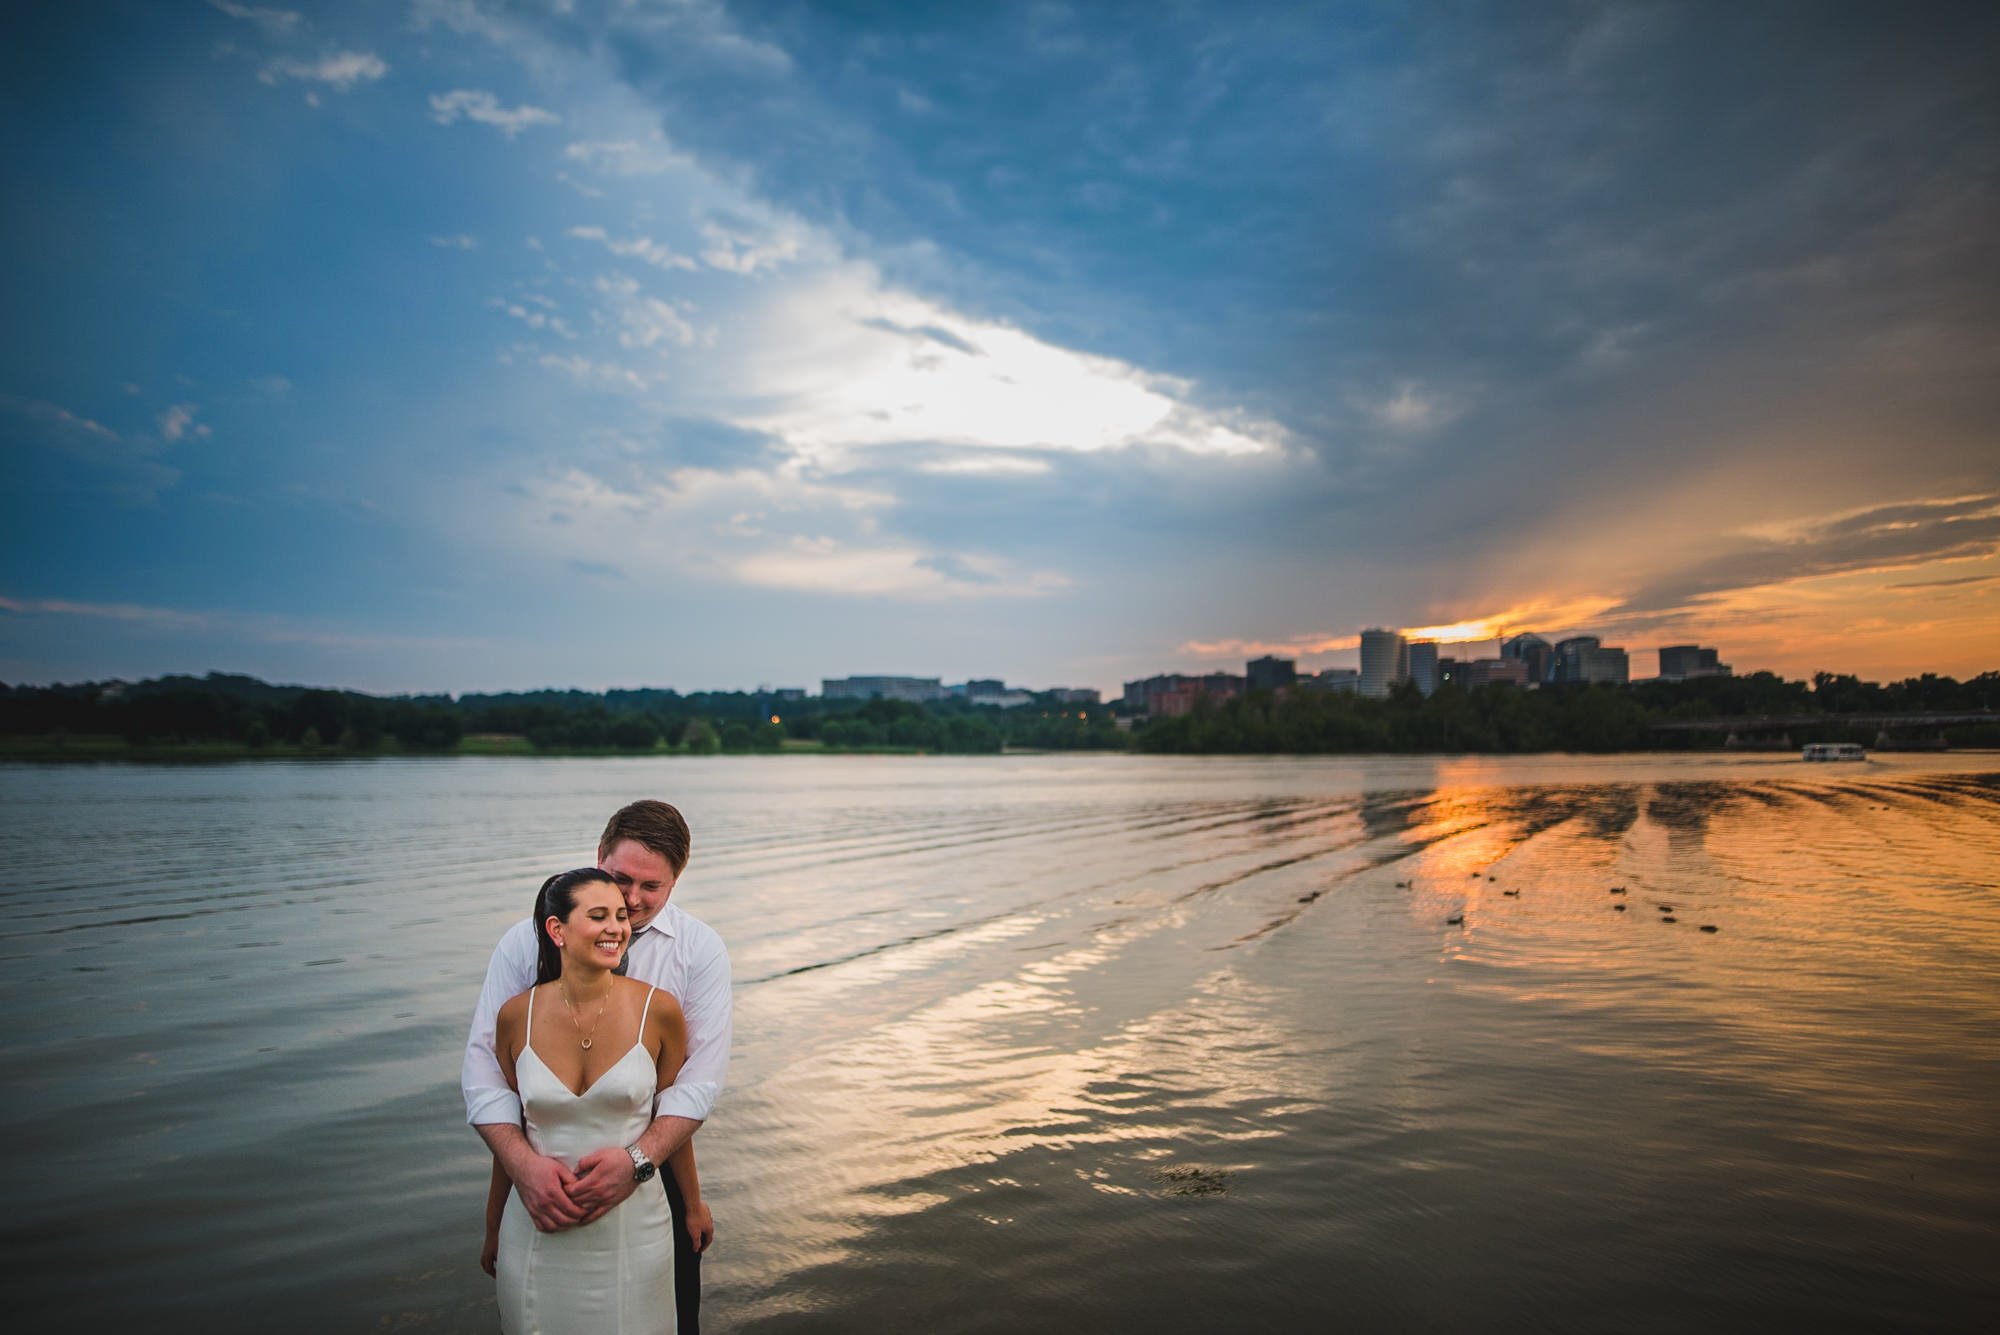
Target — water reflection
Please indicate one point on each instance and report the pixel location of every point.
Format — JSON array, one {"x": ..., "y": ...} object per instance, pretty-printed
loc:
[{"x": 1048, "y": 1042}]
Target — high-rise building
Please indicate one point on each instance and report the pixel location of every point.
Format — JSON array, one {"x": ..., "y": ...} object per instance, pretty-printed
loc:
[
  {"x": 1270, "y": 673},
  {"x": 1566, "y": 660},
  {"x": 1678, "y": 662},
  {"x": 1531, "y": 649},
  {"x": 1424, "y": 665},
  {"x": 1385, "y": 660},
  {"x": 1605, "y": 663}
]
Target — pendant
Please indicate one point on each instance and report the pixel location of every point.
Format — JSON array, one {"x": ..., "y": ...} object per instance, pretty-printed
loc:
[{"x": 586, "y": 1042}]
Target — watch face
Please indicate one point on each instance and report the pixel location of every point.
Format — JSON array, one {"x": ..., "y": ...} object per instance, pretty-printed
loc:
[{"x": 644, "y": 1172}]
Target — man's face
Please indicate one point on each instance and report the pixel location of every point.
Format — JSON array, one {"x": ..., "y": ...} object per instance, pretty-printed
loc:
[{"x": 644, "y": 878}]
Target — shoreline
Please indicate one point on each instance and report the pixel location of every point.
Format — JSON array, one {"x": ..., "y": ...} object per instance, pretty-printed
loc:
[{"x": 92, "y": 749}]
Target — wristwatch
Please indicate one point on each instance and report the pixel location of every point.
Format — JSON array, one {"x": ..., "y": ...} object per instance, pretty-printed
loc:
[{"x": 642, "y": 1167}]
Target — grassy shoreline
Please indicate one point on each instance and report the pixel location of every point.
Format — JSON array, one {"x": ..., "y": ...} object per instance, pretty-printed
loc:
[
  {"x": 100, "y": 747},
  {"x": 86, "y": 749}
]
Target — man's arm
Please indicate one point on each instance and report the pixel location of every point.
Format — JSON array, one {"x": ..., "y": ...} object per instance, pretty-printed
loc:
[
  {"x": 509, "y": 973},
  {"x": 492, "y": 1106},
  {"x": 706, "y": 1004}
]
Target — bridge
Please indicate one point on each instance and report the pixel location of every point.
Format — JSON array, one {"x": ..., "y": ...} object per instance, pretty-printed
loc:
[{"x": 1772, "y": 732}]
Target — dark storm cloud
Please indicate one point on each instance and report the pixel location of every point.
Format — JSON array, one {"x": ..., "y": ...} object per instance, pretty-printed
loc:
[{"x": 1885, "y": 538}]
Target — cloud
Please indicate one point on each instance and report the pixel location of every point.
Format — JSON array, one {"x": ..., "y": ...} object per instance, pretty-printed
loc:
[
  {"x": 835, "y": 364},
  {"x": 340, "y": 70},
  {"x": 629, "y": 157},
  {"x": 641, "y": 247},
  {"x": 646, "y": 322},
  {"x": 772, "y": 529},
  {"x": 49, "y": 414},
  {"x": 275, "y": 22},
  {"x": 461, "y": 241},
  {"x": 268, "y": 629},
  {"x": 747, "y": 250},
  {"x": 162, "y": 618},
  {"x": 137, "y": 476},
  {"x": 476, "y": 105},
  {"x": 1297, "y": 647},
  {"x": 1873, "y": 540},
  {"x": 178, "y": 421}
]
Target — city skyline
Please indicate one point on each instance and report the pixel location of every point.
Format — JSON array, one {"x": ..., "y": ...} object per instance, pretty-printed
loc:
[{"x": 479, "y": 345}]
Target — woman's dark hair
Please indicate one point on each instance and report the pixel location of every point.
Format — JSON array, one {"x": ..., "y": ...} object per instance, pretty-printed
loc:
[{"x": 557, "y": 899}]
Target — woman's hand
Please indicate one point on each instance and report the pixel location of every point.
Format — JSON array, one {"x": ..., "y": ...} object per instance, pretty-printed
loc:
[
  {"x": 700, "y": 1225},
  {"x": 489, "y": 1254}
]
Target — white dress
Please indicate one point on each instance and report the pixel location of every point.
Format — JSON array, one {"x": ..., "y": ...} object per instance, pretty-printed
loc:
[{"x": 613, "y": 1277}]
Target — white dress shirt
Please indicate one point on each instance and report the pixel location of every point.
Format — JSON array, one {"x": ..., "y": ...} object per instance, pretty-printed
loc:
[{"x": 682, "y": 956}]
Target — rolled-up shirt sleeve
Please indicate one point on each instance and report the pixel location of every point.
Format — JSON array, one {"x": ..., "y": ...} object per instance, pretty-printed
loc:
[
  {"x": 706, "y": 1003},
  {"x": 510, "y": 972}
]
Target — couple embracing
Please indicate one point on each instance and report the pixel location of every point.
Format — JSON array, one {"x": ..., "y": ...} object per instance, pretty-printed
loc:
[{"x": 598, "y": 1048}]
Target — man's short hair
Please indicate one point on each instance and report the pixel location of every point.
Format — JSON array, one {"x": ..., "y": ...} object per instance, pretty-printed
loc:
[{"x": 654, "y": 824}]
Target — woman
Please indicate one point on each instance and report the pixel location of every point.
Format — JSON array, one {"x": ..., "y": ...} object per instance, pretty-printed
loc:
[{"x": 587, "y": 1050}]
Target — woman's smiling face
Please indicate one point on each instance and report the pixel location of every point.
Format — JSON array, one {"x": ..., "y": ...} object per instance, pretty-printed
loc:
[{"x": 597, "y": 928}]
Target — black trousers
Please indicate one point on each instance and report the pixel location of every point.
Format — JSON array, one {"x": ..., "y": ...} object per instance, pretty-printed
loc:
[{"x": 687, "y": 1262}]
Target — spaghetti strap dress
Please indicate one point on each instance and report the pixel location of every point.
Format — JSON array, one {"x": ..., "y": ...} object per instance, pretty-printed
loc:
[{"x": 611, "y": 1277}]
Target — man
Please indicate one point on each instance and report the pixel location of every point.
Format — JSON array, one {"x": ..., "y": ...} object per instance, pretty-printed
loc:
[{"x": 645, "y": 849}]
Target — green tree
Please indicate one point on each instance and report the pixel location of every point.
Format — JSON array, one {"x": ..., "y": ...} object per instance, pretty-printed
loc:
[
  {"x": 634, "y": 732},
  {"x": 701, "y": 738}
]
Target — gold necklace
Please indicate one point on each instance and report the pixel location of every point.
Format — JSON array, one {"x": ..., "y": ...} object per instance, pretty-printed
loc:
[{"x": 585, "y": 1038}]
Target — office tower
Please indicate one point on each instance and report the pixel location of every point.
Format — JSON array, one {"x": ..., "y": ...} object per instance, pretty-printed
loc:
[
  {"x": 1605, "y": 663},
  {"x": 1681, "y": 661},
  {"x": 1531, "y": 649},
  {"x": 1270, "y": 673},
  {"x": 1385, "y": 660},
  {"x": 1566, "y": 661},
  {"x": 1424, "y": 665}
]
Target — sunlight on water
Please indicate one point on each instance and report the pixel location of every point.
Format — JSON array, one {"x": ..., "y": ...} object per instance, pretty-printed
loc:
[{"x": 1047, "y": 1042}]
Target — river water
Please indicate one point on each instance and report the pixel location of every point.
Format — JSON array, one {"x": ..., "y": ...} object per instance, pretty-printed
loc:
[{"x": 1039, "y": 1042}]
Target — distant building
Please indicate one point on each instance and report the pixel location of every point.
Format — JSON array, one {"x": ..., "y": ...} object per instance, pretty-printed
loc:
[
  {"x": 1270, "y": 673},
  {"x": 1450, "y": 672},
  {"x": 1488, "y": 671},
  {"x": 789, "y": 693},
  {"x": 1531, "y": 649},
  {"x": 1424, "y": 665},
  {"x": 1332, "y": 679},
  {"x": 1174, "y": 693},
  {"x": 1678, "y": 662},
  {"x": 975, "y": 689},
  {"x": 1607, "y": 664},
  {"x": 918, "y": 690},
  {"x": 1566, "y": 659},
  {"x": 1075, "y": 695},
  {"x": 1147, "y": 694},
  {"x": 1583, "y": 658},
  {"x": 1385, "y": 660}
]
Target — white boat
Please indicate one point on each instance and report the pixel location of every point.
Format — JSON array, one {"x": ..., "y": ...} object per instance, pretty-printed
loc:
[{"x": 1834, "y": 751}]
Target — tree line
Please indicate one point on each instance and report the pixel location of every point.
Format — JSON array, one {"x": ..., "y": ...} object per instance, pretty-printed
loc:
[
  {"x": 239, "y": 710},
  {"x": 1603, "y": 717}
]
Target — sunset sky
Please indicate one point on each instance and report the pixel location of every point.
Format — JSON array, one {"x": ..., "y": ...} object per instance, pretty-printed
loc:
[{"x": 464, "y": 345}]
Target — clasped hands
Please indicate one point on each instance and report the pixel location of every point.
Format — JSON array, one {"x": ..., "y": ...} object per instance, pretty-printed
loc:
[{"x": 557, "y": 1198}]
